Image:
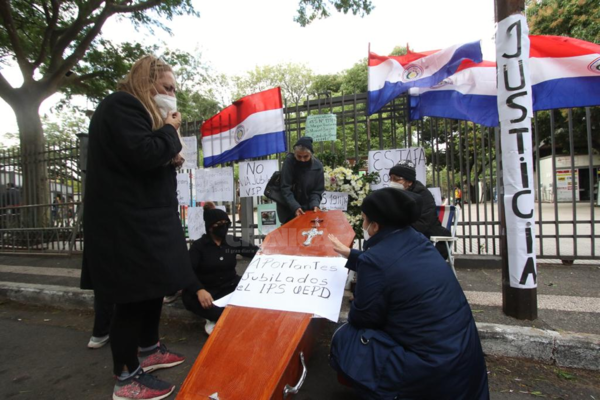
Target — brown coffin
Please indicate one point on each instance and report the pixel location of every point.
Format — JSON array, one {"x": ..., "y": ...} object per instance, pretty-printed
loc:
[{"x": 255, "y": 353}]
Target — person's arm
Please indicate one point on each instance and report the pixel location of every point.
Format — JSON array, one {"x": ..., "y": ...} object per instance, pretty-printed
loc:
[
  {"x": 196, "y": 262},
  {"x": 287, "y": 181},
  {"x": 353, "y": 259},
  {"x": 369, "y": 308},
  {"x": 316, "y": 194},
  {"x": 132, "y": 137}
]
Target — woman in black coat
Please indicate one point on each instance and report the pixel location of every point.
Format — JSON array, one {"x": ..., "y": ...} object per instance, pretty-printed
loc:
[{"x": 135, "y": 251}]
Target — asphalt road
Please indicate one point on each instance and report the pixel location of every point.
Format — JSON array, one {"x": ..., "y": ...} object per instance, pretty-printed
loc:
[{"x": 44, "y": 356}]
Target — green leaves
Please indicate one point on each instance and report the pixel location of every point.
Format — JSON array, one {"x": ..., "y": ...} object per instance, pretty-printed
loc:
[
  {"x": 310, "y": 10},
  {"x": 574, "y": 18}
]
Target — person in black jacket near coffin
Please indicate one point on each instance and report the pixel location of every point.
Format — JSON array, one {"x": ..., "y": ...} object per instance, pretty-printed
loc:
[
  {"x": 404, "y": 176},
  {"x": 213, "y": 259},
  {"x": 302, "y": 181},
  {"x": 135, "y": 251}
]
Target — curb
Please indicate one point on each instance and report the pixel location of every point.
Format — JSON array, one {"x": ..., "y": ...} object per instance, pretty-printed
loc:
[{"x": 565, "y": 349}]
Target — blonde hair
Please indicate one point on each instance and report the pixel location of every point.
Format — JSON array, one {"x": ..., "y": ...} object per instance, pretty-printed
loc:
[{"x": 139, "y": 82}]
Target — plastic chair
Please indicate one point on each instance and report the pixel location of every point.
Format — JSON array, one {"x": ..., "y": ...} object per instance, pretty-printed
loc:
[{"x": 448, "y": 216}]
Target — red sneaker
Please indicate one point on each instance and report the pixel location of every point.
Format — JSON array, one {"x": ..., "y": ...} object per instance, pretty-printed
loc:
[
  {"x": 159, "y": 358},
  {"x": 142, "y": 386}
]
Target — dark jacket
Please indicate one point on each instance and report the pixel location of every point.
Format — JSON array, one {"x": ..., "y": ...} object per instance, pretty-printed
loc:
[
  {"x": 428, "y": 224},
  {"x": 425, "y": 344},
  {"x": 135, "y": 247},
  {"x": 301, "y": 187},
  {"x": 213, "y": 265}
]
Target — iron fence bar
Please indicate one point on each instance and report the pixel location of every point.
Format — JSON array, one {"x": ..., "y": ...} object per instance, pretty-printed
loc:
[
  {"x": 460, "y": 184},
  {"x": 554, "y": 189},
  {"x": 574, "y": 187},
  {"x": 539, "y": 182},
  {"x": 588, "y": 125}
]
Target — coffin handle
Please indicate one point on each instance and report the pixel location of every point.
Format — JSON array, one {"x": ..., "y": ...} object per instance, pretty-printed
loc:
[{"x": 294, "y": 389}]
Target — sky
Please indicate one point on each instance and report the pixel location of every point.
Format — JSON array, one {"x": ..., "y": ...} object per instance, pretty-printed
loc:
[{"x": 234, "y": 36}]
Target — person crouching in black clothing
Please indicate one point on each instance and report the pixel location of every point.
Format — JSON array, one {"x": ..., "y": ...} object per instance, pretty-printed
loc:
[{"x": 213, "y": 259}]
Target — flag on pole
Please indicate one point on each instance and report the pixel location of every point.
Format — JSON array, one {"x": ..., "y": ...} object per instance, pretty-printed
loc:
[
  {"x": 565, "y": 72},
  {"x": 391, "y": 76},
  {"x": 469, "y": 94},
  {"x": 251, "y": 127}
]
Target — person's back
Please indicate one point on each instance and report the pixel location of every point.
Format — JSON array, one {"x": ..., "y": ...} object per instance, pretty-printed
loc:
[{"x": 427, "y": 314}]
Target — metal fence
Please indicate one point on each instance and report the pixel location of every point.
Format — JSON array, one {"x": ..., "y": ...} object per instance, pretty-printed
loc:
[{"x": 459, "y": 154}]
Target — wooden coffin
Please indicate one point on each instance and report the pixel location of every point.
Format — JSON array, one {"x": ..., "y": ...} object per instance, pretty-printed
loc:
[{"x": 256, "y": 353}]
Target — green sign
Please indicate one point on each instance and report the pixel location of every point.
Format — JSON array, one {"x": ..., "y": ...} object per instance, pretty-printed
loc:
[{"x": 321, "y": 127}]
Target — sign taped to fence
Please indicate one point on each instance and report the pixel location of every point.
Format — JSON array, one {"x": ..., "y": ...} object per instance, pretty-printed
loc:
[
  {"x": 214, "y": 184},
  {"x": 291, "y": 283},
  {"x": 515, "y": 113},
  {"x": 190, "y": 152},
  {"x": 322, "y": 127},
  {"x": 183, "y": 189},
  {"x": 254, "y": 176},
  {"x": 195, "y": 221},
  {"x": 334, "y": 201},
  {"x": 381, "y": 161},
  {"x": 267, "y": 218}
]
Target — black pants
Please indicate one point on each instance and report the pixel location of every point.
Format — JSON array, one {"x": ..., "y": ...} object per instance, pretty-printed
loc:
[
  {"x": 134, "y": 325},
  {"x": 103, "y": 314},
  {"x": 191, "y": 303}
]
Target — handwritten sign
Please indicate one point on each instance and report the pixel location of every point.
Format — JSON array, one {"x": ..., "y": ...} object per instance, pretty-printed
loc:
[
  {"x": 195, "y": 221},
  {"x": 321, "y": 127},
  {"x": 214, "y": 184},
  {"x": 183, "y": 189},
  {"x": 255, "y": 175},
  {"x": 190, "y": 152},
  {"x": 381, "y": 161},
  {"x": 291, "y": 283},
  {"x": 334, "y": 201}
]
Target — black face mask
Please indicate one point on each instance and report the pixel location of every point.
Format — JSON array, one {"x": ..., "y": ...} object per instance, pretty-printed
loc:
[
  {"x": 220, "y": 231},
  {"x": 304, "y": 164}
]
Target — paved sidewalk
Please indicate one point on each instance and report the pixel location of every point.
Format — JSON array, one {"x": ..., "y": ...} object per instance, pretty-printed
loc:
[{"x": 566, "y": 333}]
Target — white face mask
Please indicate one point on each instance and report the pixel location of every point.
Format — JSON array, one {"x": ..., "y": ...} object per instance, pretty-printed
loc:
[
  {"x": 165, "y": 104},
  {"x": 366, "y": 232},
  {"x": 396, "y": 185}
]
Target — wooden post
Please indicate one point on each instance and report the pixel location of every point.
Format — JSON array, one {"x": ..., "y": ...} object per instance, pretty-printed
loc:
[{"x": 519, "y": 303}]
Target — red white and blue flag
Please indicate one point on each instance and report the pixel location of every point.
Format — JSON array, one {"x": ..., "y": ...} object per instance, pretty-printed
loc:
[
  {"x": 251, "y": 127},
  {"x": 390, "y": 76},
  {"x": 565, "y": 73}
]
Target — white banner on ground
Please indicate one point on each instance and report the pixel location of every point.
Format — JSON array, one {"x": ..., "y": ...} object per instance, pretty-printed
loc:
[
  {"x": 334, "y": 201},
  {"x": 183, "y": 189},
  {"x": 381, "y": 161},
  {"x": 312, "y": 285},
  {"x": 515, "y": 112},
  {"x": 254, "y": 176},
  {"x": 190, "y": 152},
  {"x": 214, "y": 184}
]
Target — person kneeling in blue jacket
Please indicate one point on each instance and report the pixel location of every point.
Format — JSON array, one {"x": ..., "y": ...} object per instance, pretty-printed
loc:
[{"x": 410, "y": 331}]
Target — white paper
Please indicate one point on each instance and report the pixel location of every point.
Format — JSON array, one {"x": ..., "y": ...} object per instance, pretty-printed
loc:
[
  {"x": 515, "y": 113},
  {"x": 381, "y": 161},
  {"x": 214, "y": 184},
  {"x": 254, "y": 176},
  {"x": 437, "y": 195},
  {"x": 183, "y": 189},
  {"x": 190, "y": 152},
  {"x": 313, "y": 285},
  {"x": 334, "y": 201},
  {"x": 195, "y": 222}
]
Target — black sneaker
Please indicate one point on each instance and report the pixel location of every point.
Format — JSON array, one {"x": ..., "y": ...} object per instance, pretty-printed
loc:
[{"x": 142, "y": 386}]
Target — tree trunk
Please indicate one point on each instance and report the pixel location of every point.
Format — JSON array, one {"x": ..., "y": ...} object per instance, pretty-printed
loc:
[{"x": 35, "y": 186}]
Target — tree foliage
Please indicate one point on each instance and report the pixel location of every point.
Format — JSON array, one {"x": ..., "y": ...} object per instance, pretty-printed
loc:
[
  {"x": 574, "y": 18},
  {"x": 310, "y": 10}
]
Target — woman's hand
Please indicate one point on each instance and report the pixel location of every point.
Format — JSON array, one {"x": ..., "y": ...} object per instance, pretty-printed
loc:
[
  {"x": 205, "y": 299},
  {"x": 174, "y": 119},
  {"x": 299, "y": 212},
  {"x": 316, "y": 209},
  {"x": 339, "y": 247},
  {"x": 178, "y": 160}
]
